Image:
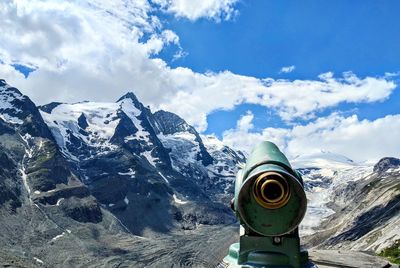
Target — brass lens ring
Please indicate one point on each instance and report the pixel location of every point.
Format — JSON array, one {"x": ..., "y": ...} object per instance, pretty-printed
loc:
[{"x": 271, "y": 190}]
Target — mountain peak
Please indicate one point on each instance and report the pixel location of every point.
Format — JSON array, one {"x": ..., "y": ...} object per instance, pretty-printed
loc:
[
  {"x": 11, "y": 101},
  {"x": 12, "y": 90},
  {"x": 130, "y": 98},
  {"x": 129, "y": 95}
]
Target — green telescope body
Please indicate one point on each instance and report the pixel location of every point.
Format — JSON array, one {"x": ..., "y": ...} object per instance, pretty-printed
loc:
[{"x": 269, "y": 203}]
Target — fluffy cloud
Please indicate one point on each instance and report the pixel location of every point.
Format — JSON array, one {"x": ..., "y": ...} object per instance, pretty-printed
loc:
[
  {"x": 99, "y": 50},
  {"x": 193, "y": 10},
  {"x": 83, "y": 50},
  {"x": 200, "y": 94},
  {"x": 360, "y": 140},
  {"x": 288, "y": 69}
]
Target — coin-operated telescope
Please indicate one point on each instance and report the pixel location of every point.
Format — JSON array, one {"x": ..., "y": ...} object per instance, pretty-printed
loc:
[{"x": 269, "y": 203}]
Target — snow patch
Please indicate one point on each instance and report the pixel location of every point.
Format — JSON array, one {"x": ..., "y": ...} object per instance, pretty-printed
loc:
[
  {"x": 126, "y": 200},
  {"x": 165, "y": 179},
  {"x": 178, "y": 201},
  {"x": 11, "y": 119},
  {"x": 58, "y": 236},
  {"x": 101, "y": 118},
  {"x": 152, "y": 160},
  {"x": 38, "y": 260},
  {"x": 130, "y": 173},
  {"x": 128, "y": 107},
  {"x": 24, "y": 179},
  {"x": 59, "y": 201}
]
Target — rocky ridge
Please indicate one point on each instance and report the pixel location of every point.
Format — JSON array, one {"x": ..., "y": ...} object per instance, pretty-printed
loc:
[{"x": 351, "y": 205}]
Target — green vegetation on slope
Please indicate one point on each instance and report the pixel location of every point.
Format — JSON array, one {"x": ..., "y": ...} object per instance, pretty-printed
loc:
[{"x": 392, "y": 253}]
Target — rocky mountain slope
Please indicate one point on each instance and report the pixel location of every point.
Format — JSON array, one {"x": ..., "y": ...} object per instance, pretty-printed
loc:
[
  {"x": 44, "y": 207},
  {"x": 76, "y": 176},
  {"x": 351, "y": 205}
]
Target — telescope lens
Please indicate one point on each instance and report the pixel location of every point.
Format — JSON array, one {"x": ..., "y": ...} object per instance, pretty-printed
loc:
[{"x": 271, "y": 190}]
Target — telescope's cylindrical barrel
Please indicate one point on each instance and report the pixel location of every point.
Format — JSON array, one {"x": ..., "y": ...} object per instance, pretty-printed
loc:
[
  {"x": 269, "y": 194},
  {"x": 266, "y": 152}
]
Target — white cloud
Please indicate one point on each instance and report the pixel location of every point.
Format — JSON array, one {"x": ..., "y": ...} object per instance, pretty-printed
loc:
[
  {"x": 287, "y": 69},
  {"x": 170, "y": 37},
  {"x": 245, "y": 122},
  {"x": 243, "y": 138},
  {"x": 193, "y": 10},
  {"x": 99, "y": 50},
  {"x": 360, "y": 140},
  {"x": 84, "y": 50},
  {"x": 199, "y": 94}
]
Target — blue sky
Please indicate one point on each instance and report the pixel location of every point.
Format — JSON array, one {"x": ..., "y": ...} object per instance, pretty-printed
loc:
[
  {"x": 314, "y": 36},
  {"x": 308, "y": 75}
]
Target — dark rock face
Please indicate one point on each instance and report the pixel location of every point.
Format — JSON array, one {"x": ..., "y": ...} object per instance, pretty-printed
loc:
[
  {"x": 82, "y": 123},
  {"x": 49, "y": 107},
  {"x": 386, "y": 163},
  {"x": 82, "y": 209},
  {"x": 9, "y": 190},
  {"x": 47, "y": 168}
]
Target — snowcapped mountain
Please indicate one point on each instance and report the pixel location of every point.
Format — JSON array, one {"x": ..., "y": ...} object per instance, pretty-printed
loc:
[
  {"x": 132, "y": 159},
  {"x": 84, "y": 130}
]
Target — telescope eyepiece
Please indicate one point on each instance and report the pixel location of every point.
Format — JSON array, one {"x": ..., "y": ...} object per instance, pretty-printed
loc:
[{"x": 271, "y": 190}]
